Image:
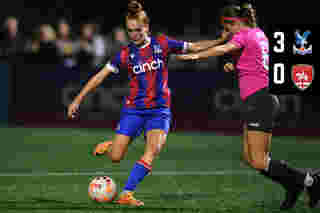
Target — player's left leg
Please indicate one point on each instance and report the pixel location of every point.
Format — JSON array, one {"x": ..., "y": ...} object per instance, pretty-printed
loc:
[
  {"x": 268, "y": 145},
  {"x": 246, "y": 154},
  {"x": 129, "y": 127},
  {"x": 245, "y": 158},
  {"x": 115, "y": 149},
  {"x": 257, "y": 143},
  {"x": 156, "y": 130}
]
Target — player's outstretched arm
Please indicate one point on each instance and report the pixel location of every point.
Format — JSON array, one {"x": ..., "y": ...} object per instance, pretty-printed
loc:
[
  {"x": 93, "y": 83},
  {"x": 214, "y": 51},
  {"x": 205, "y": 44}
]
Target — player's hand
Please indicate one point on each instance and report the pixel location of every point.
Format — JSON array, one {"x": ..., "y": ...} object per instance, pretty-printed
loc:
[
  {"x": 187, "y": 57},
  {"x": 73, "y": 109},
  {"x": 225, "y": 35},
  {"x": 228, "y": 67}
]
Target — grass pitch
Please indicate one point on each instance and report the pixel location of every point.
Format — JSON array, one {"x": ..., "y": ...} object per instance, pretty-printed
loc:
[{"x": 48, "y": 170}]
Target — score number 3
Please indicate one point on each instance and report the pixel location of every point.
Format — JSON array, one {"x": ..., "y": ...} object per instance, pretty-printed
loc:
[
  {"x": 280, "y": 42},
  {"x": 278, "y": 69}
]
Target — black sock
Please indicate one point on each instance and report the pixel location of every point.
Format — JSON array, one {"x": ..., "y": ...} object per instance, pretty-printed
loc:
[
  {"x": 275, "y": 179},
  {"x": 267, "y": 174},
  {"x": 281, "y": 172}
]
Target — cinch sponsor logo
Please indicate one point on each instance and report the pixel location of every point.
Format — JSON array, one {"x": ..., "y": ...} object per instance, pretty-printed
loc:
[{"x": 152, "y": 66}]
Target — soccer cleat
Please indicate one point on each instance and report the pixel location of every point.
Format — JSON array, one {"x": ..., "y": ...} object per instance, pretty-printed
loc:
[
  {"x": 127, "y": 198},
  {"x": 292, "y": 196},
  {"x": 314, "y": 190},
  {"x": 101, "y": 148}
]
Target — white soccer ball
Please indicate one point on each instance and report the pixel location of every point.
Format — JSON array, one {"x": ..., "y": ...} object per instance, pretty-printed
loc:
[{"x": 102, "y": 189}]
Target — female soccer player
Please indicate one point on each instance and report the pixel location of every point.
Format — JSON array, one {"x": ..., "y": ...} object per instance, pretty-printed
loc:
[
  {"x": 147, "y": 108},
  {"x": 251, "y": 47}
]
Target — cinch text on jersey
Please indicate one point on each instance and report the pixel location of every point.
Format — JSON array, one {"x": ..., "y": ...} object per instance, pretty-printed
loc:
[{"x": 152, "y": 66}]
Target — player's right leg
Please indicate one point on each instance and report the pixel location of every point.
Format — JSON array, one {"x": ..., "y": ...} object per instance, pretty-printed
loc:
[
  {"x": 156, "y": 138},
  {"x": 156, "y": 129},
  {"x": 314, "y": 189},
  {"x": 245, "y": 147},
  {"x": 259, "y": 122}
]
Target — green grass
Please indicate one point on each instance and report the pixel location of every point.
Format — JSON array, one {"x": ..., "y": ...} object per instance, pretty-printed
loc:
[{"x": 234, "y": 188}]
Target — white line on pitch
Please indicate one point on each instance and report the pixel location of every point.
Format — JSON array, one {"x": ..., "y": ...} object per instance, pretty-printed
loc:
[{"x": 155, "y": 173}]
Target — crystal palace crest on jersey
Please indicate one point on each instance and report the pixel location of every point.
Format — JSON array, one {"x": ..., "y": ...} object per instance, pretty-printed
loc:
[
  {"x": 131, "y": 56},
  {"x": 157, "y": 49}
]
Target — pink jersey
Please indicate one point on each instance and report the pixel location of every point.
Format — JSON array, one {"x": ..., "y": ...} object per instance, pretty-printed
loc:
[{"x": 253, "y": 62}]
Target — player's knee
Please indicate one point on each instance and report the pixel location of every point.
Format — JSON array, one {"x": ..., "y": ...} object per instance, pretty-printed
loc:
[
  {"x": 116, "y": 158},
  {"x": 155, "y": 152},
  {"x": 157, "y": 149},
  {"x": 148, "y": 157},
  {"x": 258, "y": 164}
]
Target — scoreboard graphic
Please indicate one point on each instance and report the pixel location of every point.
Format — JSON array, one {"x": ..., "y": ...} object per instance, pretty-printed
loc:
[{"x": 293, "y": 65}]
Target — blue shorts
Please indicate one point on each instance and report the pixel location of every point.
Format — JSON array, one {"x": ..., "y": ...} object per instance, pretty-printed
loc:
[{"x": 135, "y": 121}]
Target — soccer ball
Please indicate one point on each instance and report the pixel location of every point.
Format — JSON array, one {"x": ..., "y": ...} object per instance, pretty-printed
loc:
[{"x": 102, "y": 189}]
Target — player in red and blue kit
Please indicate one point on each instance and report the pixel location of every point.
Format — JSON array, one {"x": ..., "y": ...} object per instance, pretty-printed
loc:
[{"x": 147, "y": 107}]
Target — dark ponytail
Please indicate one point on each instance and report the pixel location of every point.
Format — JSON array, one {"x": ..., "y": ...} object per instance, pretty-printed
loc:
[
  {"x": 134, "y": 7},
  {"x": 247, "y": 11},
  {"x": 135, "y": 11}
]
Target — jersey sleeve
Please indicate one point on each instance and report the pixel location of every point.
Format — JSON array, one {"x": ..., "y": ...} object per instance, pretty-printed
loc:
[
  {"x": 176, "y": 46},
  {"x": 238, "y": 40},
  {"x": 115, "y": 63}
]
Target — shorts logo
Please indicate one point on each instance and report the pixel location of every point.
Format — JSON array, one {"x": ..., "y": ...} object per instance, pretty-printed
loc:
[
  {"x": 300, "y": 46},
  {"x": 302, "y": 76},
  {"x": 254, "y": 124},
  {"x": 118, "y": 127}
]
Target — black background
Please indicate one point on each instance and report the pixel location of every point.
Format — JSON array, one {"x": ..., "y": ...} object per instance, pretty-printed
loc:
[{"x": 170, "y": 14}]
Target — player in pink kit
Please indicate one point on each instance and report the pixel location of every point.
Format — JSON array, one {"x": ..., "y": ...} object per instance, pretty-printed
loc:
[
  {"x": 251, "y": 48},
  {"x": 147, "y": 107}
]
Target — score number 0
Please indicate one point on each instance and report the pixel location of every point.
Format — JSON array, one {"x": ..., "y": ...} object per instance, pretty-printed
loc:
[{"x": 278, "y": 69}]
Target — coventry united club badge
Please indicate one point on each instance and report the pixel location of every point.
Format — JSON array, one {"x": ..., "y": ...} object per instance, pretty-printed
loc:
[{"x": 302, "y": 76}]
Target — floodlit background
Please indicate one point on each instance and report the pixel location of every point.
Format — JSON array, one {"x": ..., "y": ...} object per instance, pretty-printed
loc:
[{"x": 49, "y": 49}]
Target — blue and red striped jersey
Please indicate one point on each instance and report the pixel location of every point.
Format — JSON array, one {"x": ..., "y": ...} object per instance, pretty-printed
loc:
[{"x": 148, "y": 71}]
